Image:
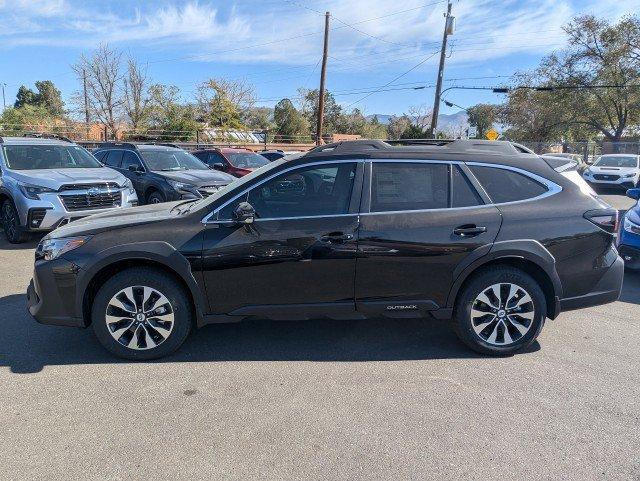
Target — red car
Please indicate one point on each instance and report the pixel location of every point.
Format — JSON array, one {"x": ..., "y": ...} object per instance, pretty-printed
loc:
[{"x": 236, "y": 162}]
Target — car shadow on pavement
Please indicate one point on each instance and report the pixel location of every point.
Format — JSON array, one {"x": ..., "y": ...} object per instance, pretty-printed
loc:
[
  {"x": 7, "y": 246},
  {"x": 27, "y": 347}
]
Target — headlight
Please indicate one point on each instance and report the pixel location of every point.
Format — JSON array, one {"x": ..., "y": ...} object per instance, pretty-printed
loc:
[
  {"x": 630, "y": 227},
  {"x": 32, "y": 191},
  {"x": 587, "y": 171},
  {"x": 180, "y": 185},
  {"x": 627, "y": 176},
  {"x": 128, "y": 185},
  {"x": 50, "y": 249}
]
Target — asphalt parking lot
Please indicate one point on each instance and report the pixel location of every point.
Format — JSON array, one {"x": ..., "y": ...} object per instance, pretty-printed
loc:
[{"x": 398, "y": 399}]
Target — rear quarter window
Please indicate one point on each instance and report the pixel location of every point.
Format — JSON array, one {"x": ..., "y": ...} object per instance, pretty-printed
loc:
[{"x": 504, "y": 185}]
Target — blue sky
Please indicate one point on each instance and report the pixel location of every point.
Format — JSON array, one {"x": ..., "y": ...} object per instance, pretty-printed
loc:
[{"x": 277, "y": 44}]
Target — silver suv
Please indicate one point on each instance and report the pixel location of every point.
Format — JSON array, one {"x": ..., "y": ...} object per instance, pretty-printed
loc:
[{"x": 49, "y": 182}]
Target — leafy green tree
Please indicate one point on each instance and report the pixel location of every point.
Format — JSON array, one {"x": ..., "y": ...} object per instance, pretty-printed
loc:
[
  {"x": 27, "y": 118},
  {"x": 47, "y": 96},
  {"x": 414, "y": 132},
  {"x": 482, "y": 116},
  {"x": 25, "y": 96},
  {"x": 224, "y": 103},
  {"x": 258, "y": 118},
  {"x": 332, "y": 110},
  {"x": 291, "y": 125},
  {"x": 598, "y": 53},
  {"x": 50, "y": 97},
  {"x": 169, "y": 119}
]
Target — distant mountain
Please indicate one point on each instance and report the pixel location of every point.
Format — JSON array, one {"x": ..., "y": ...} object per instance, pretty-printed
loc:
[{"x": 444, "y": 120}]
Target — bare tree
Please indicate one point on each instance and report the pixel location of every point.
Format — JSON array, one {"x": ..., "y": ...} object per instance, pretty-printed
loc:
[
  {"x": 135, "y": 95},
  {"x": 102, "y": 71},
  {"x": 420, "y": 116}
]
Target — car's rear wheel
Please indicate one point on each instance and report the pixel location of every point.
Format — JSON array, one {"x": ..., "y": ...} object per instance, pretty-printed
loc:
[
  {"x": 11, "y": 224},
  {"x": 155, "y": 198},
  {"x": 141, "y": 313},
  {"x": 500, "y": 311}
]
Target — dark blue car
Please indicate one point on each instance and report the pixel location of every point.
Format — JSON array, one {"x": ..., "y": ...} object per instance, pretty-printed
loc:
[{"x": 630, "y": 234}]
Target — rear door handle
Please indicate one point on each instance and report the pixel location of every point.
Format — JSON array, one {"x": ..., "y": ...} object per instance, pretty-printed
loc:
[
  {"x": 469, "y": 230},
  {"x": 336, "y": 237}
]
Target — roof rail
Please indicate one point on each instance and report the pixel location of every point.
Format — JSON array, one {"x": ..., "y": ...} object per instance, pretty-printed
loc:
[
  {"x": 124, "y": 145},
  {"x": 350, "y": 145},
  {"x": 45, "y": 135},
  {"x": 162, "y": 144},
  {"x": 435, "y": 142}
]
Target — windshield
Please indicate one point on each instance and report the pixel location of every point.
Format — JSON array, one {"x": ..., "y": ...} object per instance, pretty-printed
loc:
[
  {"x": 166, "y": 160},
  {"x": 246, "y": 160},
  {"x": 617, "y": 161},
  {"x": 32, "y": 157}
]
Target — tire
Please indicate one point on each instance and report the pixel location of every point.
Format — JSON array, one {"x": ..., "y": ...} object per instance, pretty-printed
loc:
[
  {"x": 491, "y": 335},
  {"x": 145, "y": 337},
  {"x": 155, "y": 197},
  {"x": 11, "y": 224}
]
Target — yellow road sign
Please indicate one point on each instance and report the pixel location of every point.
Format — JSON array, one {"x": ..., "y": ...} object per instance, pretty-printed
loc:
[{"x": 492, "y": 134}]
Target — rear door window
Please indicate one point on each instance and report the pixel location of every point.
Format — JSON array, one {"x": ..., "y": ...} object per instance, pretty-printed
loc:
[
  {"x": 464, "y": 193},
  {"x": 400, "y": 186},
  {"x": 504, "y": 185}
]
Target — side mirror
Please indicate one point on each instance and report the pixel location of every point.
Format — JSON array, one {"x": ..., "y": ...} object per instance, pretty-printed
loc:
[
  {"x": 634, "y": 193},
  {"x": 244, "y": 213},
  {"x": 135, "y": 168},
  {"x": 219, "y": 166}
]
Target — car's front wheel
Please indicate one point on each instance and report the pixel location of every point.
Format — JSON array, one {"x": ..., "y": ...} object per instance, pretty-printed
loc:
[
  {"x": 500, "y": 311},
  {"x": 141, "y": 313},
  {"x": 155, "y": 198},
  {"x": 11, "y": 223}
]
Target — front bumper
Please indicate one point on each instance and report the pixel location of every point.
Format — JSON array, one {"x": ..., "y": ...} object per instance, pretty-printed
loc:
[
  {"x": 628, "y": 182},
  {"x": 49, "y": 212},
  {"x": 607, "y": 290},
  {"x": 51, "y": 295}
]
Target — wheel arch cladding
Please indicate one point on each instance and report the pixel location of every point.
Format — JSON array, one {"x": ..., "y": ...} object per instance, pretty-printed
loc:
[
  {"x": 174, "y": 265},
  {"x": 535, "y": 261}
]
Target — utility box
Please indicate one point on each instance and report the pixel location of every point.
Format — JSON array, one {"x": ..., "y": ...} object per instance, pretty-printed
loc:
[{"x": 451, "y": 25}]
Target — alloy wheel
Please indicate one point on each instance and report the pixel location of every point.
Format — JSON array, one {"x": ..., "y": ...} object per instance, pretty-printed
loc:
[
  {"x": 502, "y": 314},
  {"x": 139, "y": 317}
]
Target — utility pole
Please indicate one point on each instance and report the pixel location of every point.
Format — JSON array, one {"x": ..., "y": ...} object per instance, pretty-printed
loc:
[
  {"x": 448, "y": 30},
  {"x": 322, "y": 78},
  {"x": 4, "y": 103},
  {"x": 86, "y": 104}
]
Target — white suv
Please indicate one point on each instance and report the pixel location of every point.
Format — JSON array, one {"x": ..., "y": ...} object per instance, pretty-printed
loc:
[
  {"x": 615, "y": 170},
  {"x": 48, "y": 182}
]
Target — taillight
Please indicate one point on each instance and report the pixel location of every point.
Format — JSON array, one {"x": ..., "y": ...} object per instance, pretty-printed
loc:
[{"x": 606, "y": 219}]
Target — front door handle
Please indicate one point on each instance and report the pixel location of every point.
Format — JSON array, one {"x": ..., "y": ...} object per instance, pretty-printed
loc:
[
  {"x": 336, "y": 237},
  {"x": 469, "y": 230}
]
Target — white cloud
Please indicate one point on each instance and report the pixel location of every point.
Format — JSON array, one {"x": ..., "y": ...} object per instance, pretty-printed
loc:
[{"x": 252, "y": 32}]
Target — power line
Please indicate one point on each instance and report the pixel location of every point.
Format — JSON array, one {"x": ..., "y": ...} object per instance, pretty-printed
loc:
[{"x": 394, "y": 79}]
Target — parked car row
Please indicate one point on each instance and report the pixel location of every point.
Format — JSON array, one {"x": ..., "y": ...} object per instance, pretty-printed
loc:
[
  {"x": 48, "y": 182},
  {"x": 483, "y": 233}
]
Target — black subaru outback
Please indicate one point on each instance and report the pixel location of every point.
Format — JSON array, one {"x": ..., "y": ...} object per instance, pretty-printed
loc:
[{"x": 483, "y": 233}]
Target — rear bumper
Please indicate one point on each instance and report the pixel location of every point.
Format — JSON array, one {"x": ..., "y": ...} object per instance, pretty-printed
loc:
[{"x": 607, "y": 290}]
